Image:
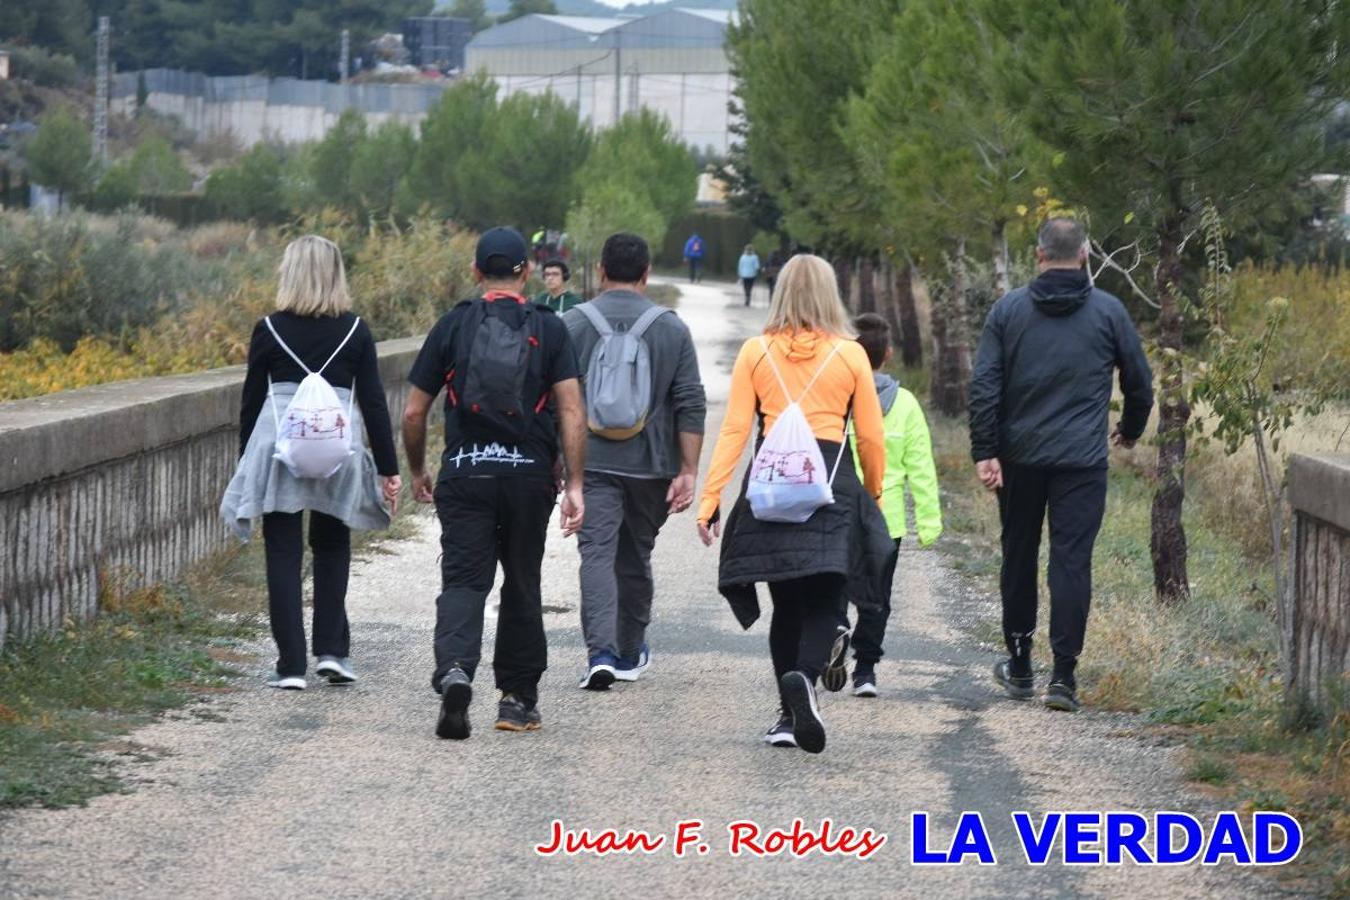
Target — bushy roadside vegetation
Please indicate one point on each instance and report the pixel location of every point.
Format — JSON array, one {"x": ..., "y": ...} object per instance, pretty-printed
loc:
[{"x": 86, "y": 299}]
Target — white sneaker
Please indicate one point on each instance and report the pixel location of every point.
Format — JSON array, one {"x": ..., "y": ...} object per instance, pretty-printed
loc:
[
  {"x": 336, "y": 669},
  {"x": 286, "y": 682}
]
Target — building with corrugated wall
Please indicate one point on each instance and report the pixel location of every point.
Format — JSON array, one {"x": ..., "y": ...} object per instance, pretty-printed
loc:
[{"x": 673, "y": 62}]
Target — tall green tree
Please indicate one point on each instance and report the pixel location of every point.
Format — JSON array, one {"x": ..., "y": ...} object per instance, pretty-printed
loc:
[
  {"x": 330, "y": 164},
  {"x": 473, "y": 10},
  {"x": 642, "y": 154},
  {"x": 380, "y": 168},
  {"x": 250, "y": 188},
  {"x": 60, "y": 155},
  {"x": 59, "y": 26},
  {"x": 520, "y": 8},
  {"x": 1156, "y": 105}
]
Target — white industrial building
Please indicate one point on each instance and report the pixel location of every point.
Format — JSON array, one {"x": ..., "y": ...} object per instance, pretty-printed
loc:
[{"x": 673, "y": 62}]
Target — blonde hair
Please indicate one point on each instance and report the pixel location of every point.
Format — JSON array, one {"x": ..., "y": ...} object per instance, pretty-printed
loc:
[
  {"x": 313, "y": 281},
  {"x": 806, "y": 298}
]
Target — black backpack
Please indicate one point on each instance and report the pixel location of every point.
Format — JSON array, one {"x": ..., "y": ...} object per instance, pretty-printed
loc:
[{"x": 493, "y": 359}]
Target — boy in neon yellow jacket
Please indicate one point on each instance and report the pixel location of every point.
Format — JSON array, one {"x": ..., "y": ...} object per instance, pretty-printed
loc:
[{"x": 909, "y": 462}]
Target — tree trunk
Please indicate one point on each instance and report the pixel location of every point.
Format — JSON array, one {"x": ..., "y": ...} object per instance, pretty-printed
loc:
[
  {"x": 843, "y": 271},
  {"x": 1168, "y": 544},
  {"x": 867, "y": 285},
  {"x": 908, "y": 336},
  {"x": 1000, "y": 236},
  {"x": 951, "y": 390}
]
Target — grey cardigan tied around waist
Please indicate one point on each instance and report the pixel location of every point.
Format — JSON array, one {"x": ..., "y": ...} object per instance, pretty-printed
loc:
[{"x": 262, "y": 484}]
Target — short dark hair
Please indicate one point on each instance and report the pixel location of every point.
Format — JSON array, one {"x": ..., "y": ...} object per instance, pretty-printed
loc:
[
  {"x": 625, "y": 257},
  {"x": 556, "y": 263},
  {"x": 495, "y": 267},
  {"x": 1061, "y": 238},
  {"x": 874, "y": 333}
]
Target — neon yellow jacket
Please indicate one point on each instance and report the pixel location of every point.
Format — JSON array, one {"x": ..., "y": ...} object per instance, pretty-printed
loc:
[{"x": 909, "y": 460}]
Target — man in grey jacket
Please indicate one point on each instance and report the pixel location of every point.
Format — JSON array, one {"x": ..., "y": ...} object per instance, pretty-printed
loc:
[
  {"x": 632, "y": 485},
  {"x": 1039, "y": 400}
]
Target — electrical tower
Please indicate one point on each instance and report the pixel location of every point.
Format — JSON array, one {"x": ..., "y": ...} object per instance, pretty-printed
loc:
[
  {"x": 101, "y": 94},
  {"x": 346, "y": 55}
]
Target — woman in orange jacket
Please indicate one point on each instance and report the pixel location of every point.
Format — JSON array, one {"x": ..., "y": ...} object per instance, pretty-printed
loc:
[{"x": 807, "y": 355}]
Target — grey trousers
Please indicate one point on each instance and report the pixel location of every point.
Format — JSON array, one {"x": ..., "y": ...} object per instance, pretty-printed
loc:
[{"x": 623, "y": 517}]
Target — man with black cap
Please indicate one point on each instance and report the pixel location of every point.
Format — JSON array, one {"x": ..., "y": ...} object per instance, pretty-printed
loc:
[
  {"x": 1040, "y": 397},
  {"x": 501, "y": 361},
  {"x": 555, "y": 294}
]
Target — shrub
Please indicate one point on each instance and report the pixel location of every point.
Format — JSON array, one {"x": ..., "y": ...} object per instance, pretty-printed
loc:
[{"x": 55, "y": 70}]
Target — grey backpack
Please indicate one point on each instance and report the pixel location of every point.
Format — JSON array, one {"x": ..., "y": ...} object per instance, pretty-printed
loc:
[{"x": 619, "y": 375}]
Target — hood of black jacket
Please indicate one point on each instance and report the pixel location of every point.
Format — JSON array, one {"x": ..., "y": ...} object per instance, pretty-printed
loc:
[{"x": 1061, "y": 292}]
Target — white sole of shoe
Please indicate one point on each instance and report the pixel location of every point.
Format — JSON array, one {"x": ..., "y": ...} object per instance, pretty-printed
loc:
[
  {"x": 808, "y": 728},
  {"x": 335, "y": 673},
  {"x": 634, "y": 673},
  {"x": 865, "y": 690},
  {"x": 599, "y": 678},
  {"x": 290, "y": 683}
]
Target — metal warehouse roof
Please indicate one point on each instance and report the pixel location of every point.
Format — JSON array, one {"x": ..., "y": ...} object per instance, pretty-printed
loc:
[{"x": 674, "y": 28}]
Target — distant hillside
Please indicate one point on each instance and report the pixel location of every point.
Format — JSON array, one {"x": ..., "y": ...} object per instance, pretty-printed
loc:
[{"x": 596, "y": 8}]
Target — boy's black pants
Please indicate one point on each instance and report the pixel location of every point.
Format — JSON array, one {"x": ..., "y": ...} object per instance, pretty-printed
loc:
[
  {"x": 1076, "y": 501},
  {"x": 871, "y": 628},
  {"x": 483, "y": 521}
]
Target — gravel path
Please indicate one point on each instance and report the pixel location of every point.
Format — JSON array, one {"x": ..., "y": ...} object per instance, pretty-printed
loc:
[{"x": 345, "y": 792}]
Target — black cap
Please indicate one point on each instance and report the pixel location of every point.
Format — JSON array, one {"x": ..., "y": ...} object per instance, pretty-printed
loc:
[{"x": 504, "y": 242}]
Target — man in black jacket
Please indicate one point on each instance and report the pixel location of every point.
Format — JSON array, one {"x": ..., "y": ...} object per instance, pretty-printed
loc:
[{"x": 1039, "y": 400}]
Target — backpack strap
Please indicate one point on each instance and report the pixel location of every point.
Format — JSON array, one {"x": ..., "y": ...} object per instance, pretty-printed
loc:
[
  {"x": 341, "y": 345},
  {"x": 810, "y": 384},
  {"x": 648, "y": 319},
  {"x": 597, "y": 318},
  {"x": 267, "y": 320}
]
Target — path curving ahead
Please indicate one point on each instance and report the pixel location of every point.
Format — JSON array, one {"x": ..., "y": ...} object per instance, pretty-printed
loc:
[{"x": 345, "y": 792}]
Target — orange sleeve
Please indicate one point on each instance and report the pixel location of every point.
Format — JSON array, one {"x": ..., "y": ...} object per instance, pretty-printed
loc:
[
  {"x": 867, "y": 425},
  {"x": 736, "y": 425}
]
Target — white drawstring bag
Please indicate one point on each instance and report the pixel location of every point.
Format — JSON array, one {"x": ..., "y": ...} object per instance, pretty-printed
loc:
[
  {"x": 787, "y": 476},
  {"x": 314, "y": 434}
]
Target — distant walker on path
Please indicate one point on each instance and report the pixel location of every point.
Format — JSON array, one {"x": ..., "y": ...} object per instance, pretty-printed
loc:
[{"x": 1039, "y": 402}]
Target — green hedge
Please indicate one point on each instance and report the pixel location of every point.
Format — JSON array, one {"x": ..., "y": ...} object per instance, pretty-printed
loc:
[{"x": 724, "y": 234}]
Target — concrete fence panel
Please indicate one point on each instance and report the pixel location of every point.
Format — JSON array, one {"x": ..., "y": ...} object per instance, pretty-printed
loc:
[
  {"x": 1316, "y": 622},
  {"x": 122, "y": 481}
]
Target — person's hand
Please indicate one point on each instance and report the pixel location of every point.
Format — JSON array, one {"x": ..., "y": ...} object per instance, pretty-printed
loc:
[
  {"x": 390, "y": 486},
  {"x": 573, "y": 509},
  {"x": 709, "y": 533},
  {"x": 681, "y": 493},
  {"x": 559, "y": 475},
  {"x": 422, "y": 487},
  {"x": 1120, "y": 440},
  {"x": 990, "y": 472}
]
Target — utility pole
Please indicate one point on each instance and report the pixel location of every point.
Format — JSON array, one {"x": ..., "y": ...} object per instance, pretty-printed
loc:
[
  {"x": 101, "y": 95},
  {"x": 618, "y": 73},
  {"x": 633, "y": 87},
  {"x": 346, "y": 55}
]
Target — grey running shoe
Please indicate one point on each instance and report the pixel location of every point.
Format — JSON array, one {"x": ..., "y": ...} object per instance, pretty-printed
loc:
[
  {"x": 1018, "y": 687},
  {"x": 513, "y": 714},
  {"x": 835, "y": 675},
  {"x": 1061, "y": 696},
  {"x": 286, "y": 682},
  {"x": 456, "y": 694},
  {"x": 337, "y": 669}
]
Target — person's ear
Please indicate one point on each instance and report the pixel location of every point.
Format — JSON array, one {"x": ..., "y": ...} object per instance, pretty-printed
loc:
[
  {"x": 478, "y": 275},
  {"x": 1040, "y": 255},
  {"x": 646, "y": 274},
  {"x": 890, "y": 354},
  {"x": 600, "y": 270}
]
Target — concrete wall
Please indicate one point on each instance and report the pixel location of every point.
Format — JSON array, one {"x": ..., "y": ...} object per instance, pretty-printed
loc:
[
  {"x": 1316, "y": 618},
  {"x": 122, "y": 481}
]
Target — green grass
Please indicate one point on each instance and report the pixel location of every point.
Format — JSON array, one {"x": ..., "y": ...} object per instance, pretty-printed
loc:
[
  {"x": 1207, "y": 670},
  {"x": 66, "y": 698}
]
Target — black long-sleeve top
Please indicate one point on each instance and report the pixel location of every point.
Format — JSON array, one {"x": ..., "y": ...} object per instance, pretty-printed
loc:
[{"x": 313, "y": 339}]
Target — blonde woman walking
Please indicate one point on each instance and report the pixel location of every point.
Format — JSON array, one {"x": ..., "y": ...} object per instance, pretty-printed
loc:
[
  {"x": 313, "y": 331},
  {"x": 807, "y": 357}
]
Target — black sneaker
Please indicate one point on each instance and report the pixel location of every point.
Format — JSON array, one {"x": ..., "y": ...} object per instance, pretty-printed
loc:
[
  {"x": 1018, "y": 687},
  {"x": 864, "y": 683},
  {"x": 456, "y": 694},
  {"x": 513, "y": 714},
  {"x": 1060, "y": 695},
  {"x": 799, "y": 695},
  {"x": 780, "y": 735},
  {"x": 835, "y": 675}
]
